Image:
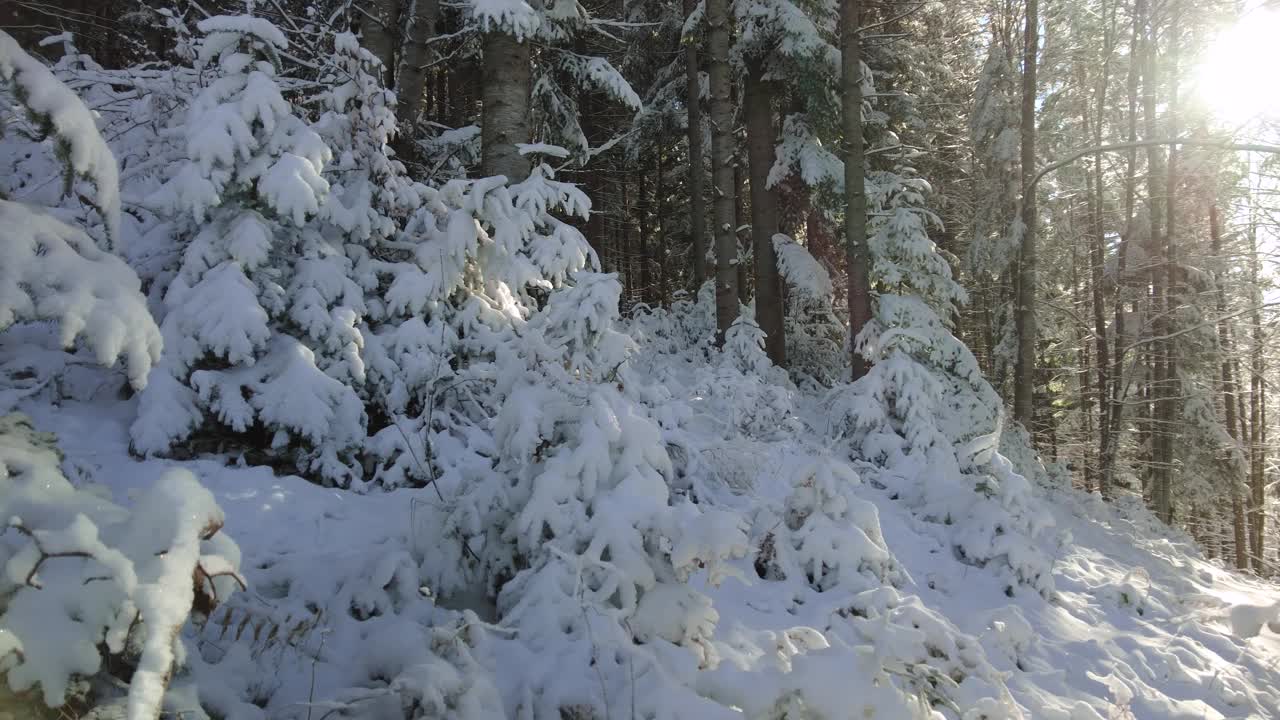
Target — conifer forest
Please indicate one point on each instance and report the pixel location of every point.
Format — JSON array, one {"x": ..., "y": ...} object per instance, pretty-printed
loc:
[{"x": 639, "y": 359}]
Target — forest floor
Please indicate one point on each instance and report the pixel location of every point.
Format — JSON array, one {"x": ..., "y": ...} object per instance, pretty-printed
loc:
[{"x": 1140, "y": 625}]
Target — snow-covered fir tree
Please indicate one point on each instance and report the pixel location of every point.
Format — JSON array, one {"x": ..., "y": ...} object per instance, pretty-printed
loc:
[{"x": 262, "y": 318}]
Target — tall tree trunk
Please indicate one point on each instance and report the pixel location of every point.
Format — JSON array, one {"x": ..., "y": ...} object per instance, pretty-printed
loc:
[
  {"x": 660, "y": 199},
  {"x": 412, "y": 81},
  {"x": 505, "y": 94},
  {"x": 742, "y": 227},
  {"x": 642, "y": 227},
  {"x": 1084, "y": 363},
  {"x": 380, "y": 32},
  {"x": 1118, "y": 386},
  {"x": 764, "y": 211},
  {"x": 1257, "y": 478},
  {"x": 722, "y": 180},
  {"x": 1025, "y": 319},
  {"x": 1238, "y": 523},
  {"x": 693, "y": 105},
  {"x": 1158, "y": 477},
  {"x": 855, "y": 214},
  {"x": 1168, "y": 407},
  {"x": 1097, "y": 255}
]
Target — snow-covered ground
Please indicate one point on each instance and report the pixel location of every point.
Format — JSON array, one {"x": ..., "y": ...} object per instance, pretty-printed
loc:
[{"x": 1138, "y": 625}]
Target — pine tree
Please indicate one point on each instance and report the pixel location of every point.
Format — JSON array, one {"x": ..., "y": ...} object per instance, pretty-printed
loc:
[{"x": 262, "y": 318}]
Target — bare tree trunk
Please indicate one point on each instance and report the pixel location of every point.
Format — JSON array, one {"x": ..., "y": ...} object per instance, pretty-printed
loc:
[
  {"x": 1238, "y": 524},
  {"x": 1084, "y": 362},
  {"x": 761, "y": 139},
  {"x": 1257, "y": 478},
  {"x": 722, "y": 181},
  {"x": 855, "y": 215},
  {"x": 697, "y": 207},
  {"x": 642, "y": 226},
  {"x": 1159, "y": 478},
  {"x": 505, "y": 94},
  {"x": 742, "y": 228},
  {"x": 1168, "y": 407},
  {"x": 660, "y": 199},
  {"x": 1117, "y": 390},
  {"x": 412, "y": 81},
  {"x": 379, "y": 31},
  {"x": 1097, "y": 254},
  {"x": 1025, "y": 318}
]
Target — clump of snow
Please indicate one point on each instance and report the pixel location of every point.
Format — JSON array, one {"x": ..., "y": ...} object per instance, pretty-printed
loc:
[
  {"x": 86, "y": 580},
  {"x": 52, "y": 271},
  {"x": 1248, "y": 620},
  {"x": 56, "y": 111},
  {"x": 802, "y": 273}
]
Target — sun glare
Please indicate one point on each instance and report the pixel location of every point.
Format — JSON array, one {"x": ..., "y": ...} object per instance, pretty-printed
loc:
[{"x": 1237, "y": 77}]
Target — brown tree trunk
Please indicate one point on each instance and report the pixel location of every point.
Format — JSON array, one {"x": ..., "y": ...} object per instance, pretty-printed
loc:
[
  {"x": 855, "y": 215},
  {"x": 411, "y": 84},
  {"x": 1097, "y": 254},
  {"x": 1169, "y": 405},
  {"x": 1118, "y": 387},
  {"x": 697, "y": 202},
  {"x": 1025, "y": 317},
  {"x": 1257, "y": 478},
  {"x": 660, "y": 199},
  {"x": 642, "y": 227},
  {"x": 1159, "y": 477},
  {"x": 380, "y": 32},
  {"x": 1238, "y": 523},
  {"x": 742, "y": 228},
  {"x": 505, "y": 94},
  {"x": 761, "y": 139},
  {"x": 722, "y": 181}
]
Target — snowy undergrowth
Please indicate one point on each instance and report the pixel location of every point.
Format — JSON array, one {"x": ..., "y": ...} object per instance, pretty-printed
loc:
[{"x": 848, "y": 596}]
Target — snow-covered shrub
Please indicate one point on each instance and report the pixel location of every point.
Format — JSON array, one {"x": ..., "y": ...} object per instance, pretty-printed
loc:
[
  {"x": 52, "y": 271},
  {"x": 370, "y": 194},
  {"x": 815, "y": 334},
  {"x": 55, "y": 112},
  {"x": 927, "y": 417},
  {"x": 55, "y": 272},
  {"x": 827, "y": 535},
  {"x": 924, "y": 414},
  {"x": 262, "y": 318},
  {"x": 472, "y": 267},
  {"x": 95, "y": 594},
  {"x": 366, "y": 626}
]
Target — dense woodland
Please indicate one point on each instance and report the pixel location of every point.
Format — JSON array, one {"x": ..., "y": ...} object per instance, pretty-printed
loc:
[{"x": 520, "y": 258}]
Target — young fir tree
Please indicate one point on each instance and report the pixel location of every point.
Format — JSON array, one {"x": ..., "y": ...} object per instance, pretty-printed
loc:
[{"x": 262, "y": 318}]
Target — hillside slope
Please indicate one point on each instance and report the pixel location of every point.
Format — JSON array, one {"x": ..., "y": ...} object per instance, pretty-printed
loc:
[{"x": 339, "y": 621}]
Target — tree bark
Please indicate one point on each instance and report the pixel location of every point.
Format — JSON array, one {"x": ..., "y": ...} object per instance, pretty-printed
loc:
[
  {"x": 1117, "y": 390},
  {"x": 412, "y": 81},
  {"x": 1238, "y": 524},
  {"x": 660, "y": 199},
  {"x": 505, "y": 98},
  {"x": 741, "y": 224},
  {"x": 1025, "y": 318},
  {"x": 722, "y": 181},
  {"x": 380, "y": 30},
  {"x": 1097, "y": 254},
  {"x": 1168, "y": 406},
  {"x": 761, "y": 139},
  {"x": 855, "y": 215},
  {"x": 1158, "y": 477},
  {"x": 697, "y": 202},
  {"x": 642, "y": 208},
  {"x": 1257, "y": 477}
]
